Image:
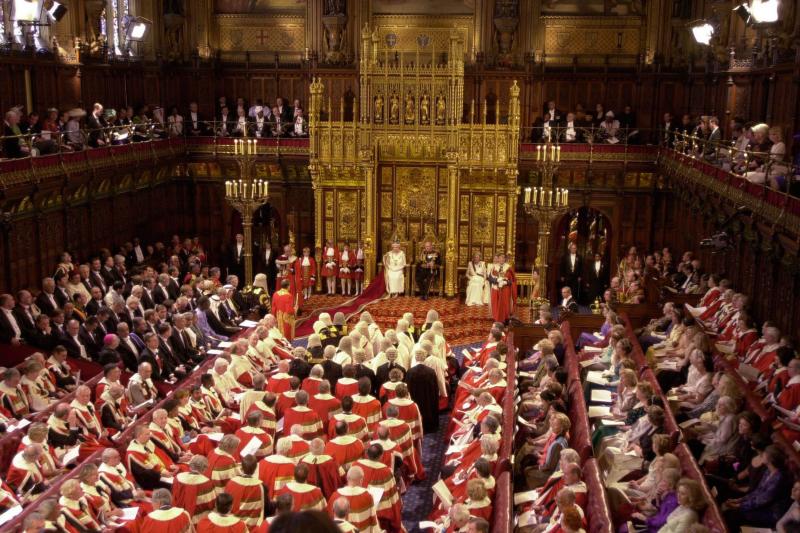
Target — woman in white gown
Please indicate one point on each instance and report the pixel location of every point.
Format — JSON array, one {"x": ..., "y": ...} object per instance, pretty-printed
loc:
[
  {"x": 394, "y": 264},
  {"x": 477, "y": 286}
]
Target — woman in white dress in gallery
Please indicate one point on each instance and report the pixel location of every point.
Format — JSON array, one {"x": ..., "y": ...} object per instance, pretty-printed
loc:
[
  {"x": 394, "y": 264},
  {"x": 477, "y": 286}
]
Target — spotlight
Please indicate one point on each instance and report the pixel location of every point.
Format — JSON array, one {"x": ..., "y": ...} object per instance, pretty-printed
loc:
[
  {"x": 702, "y": 31},
  {"x": 764, "y": 11},
  {"x": 57, "y": 11},
  {"x": 26, "y": 10},
  {"x": 136, "y": 28}
]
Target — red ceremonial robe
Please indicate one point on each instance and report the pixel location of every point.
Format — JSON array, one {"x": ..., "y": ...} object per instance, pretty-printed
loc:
[
  {"x": 222, "y": 467},
  {"x": 194, "y": 493},
  {"x": 369, "y": 408},
  {"x": 305, "y": 497},
  {"x": 356, "y": 425},
  {"x": 217, "y": 523},
  {"x": 274, "y": 472},
  {"x": 166, "y": 520},
  {"x": 326, "y": 405},
  {"x": 345, "y": 450},
  {"x": 324, "y": 472},
  {"x": 247, "y": 433},
  {"x": 278, "y": 383},
  {"x": 304, "y": 417},
  {"x": 390, "y": 508},
  {"x": 362, "y": 511},
  {"x": 346, "y": 387},
  {"x": 248, "y": 499}
]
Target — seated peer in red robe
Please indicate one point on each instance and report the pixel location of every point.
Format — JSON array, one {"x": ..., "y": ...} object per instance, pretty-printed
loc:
[
  {"x": 248, "y": 494},
  {"x": 362, "y": 514},
  {"x": 223, "y": 463},
  {"x": 344, "y": 448},
  {"x": 253, "y": 430},
  {"x": 303, "y": 416},
  {"x": 356, "y": 425},
  {"x": 165, "y": 518},
  {"x": 305, "y": 496},
  {"x": 276, "y": 470},
  {"x": 323, "y": 470},
  {"x": 325, "y": 404},
  {"x": 377, "y": 474},
  {"x": 193, "y": 491},
  {"x": 367, "y": 406},
  {"x": 221, "y": 520}
]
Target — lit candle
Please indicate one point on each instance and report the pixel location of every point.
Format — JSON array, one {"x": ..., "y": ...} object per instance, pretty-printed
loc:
[
  {"x": 549, "y": 197},
  {"x": 558, "y": 153},
  {"x": 566, "y": 197},
  {"x": 553, "y": 152},
  {"x": 558, "y": 196}
]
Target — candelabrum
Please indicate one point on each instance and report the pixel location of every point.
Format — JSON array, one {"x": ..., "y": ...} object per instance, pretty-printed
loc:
[
  {"x": 545, "y": 203},
  {"x": 246, "y": 195}
]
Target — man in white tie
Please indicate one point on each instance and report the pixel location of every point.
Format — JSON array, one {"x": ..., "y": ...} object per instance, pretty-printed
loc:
[
  {"x": 73, "y": 343},
  {"x": 568, "y": 303},
  {"x": 10, "y": 330},
  {"x": 570, "y": 131},
  {"x": 571, "y": 269},
  {"x": 46, "y": 300}
]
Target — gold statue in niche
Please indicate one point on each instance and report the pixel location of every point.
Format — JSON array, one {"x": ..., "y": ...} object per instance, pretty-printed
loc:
[
  {"x": 441, "y": 109},
  {"x": 411, "y": 114},
  {"x": 378, "y": 117},
  {"x": 424, "y": 109},
  {"x": 394, "y": 109}
]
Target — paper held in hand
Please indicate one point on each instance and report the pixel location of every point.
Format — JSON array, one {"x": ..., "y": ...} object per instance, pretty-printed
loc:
[
  {"x": 598, "y": 411},
  {"x": 71, "y": 456},
  {"x": 444, "y": 494},
  {"x": 251, "y": 447},
  {"x": 129, "y": 513},
  {"x": 248, "y": 323},
  {"x": 596, "y": 377},
  {"x": 525, "y": 497},
  {"x": 376, "y": 493},
  {"x": 601, "y": 396}
]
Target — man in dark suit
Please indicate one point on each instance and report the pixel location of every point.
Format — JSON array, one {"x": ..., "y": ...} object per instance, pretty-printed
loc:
[
  {"x": 236, "y": 261},
  {"x": 88, "y": 334},
  {"x": 284, "y": 111},
  {"x": 299, "y": 366},
  {"x": 332, "y": 369},
  {"x": 168, "y": 353},
  {"x": 109, "y": 273},
  {"x": 216, "y": 323},
  {"x": 556, "y": 116},
  {"x": 194, "y": 123},
  {"x": 60, "y": 290},
  {"x": 96, "y": 124},
  {"x": 668, "y": 129},
  {"x": 174, "y": 285},
  {"x": 424, "y": 390},
  {"x": 568, "y": 303},
  {"x": 382, "y": 375},
  {"x": 46, "y": 300},
  {"x": 596, "y": 278},
  {"x": 127, "y": 349},
  {"x": 24, "y": 313},
  {"x": 96, "y": 302},
  {"x": 44, "y": 337},
  {"x": 714, "y": 138},
  {"x": 181, "y": 343},
  {"x": 571, "y": 269},
  {"x": 13, "y": 146},
  {"x": 148, "y": 284},
  {"x": 74, "y": 340},
  {"x": 109, "y": 355},
  {"x": 270, "y": 269},
  {"x": 161, "y": 290},
  {"x": 96, "y": 276},
  {"x": 150, "y": 354}
]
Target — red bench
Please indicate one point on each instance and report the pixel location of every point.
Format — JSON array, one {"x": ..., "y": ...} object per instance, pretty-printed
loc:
[{"x": 597, "y": 507}]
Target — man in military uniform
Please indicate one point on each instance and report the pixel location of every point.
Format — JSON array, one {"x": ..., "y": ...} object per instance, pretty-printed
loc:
[{"x": 428, "y": 267}]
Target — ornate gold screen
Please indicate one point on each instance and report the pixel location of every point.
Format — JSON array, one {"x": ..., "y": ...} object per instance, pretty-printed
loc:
[{"x": 412, "y": 162}]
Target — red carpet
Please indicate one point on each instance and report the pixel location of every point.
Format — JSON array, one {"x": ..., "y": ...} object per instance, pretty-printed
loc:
[
  {"x": 463, "y": 325},
  {"x": 373, "y": 292}
]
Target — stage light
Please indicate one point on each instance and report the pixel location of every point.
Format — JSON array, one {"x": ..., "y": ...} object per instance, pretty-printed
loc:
[
  {"x": 764, "y": 11},
  {"x": 137, "y": 28},
  {"x": 57, "y": 11},
  {"x": 702, "y": 32},
  {"x": 26, "y": 10}
]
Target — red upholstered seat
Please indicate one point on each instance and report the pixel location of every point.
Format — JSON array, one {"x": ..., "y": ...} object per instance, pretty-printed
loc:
[
  {"x": 580, "y": 437},
  {"x": 503, "y": 509},
  {"x": 597, "y": 505}
]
